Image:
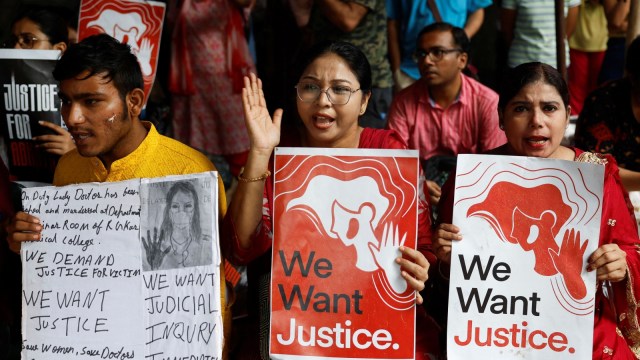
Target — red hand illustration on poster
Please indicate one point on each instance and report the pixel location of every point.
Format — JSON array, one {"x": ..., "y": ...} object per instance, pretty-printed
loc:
[
  {"x": 137, "y": 23},
  {"x": 337, "y": 291}
]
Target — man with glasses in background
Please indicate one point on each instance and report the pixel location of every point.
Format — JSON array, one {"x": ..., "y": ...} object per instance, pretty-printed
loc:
[
  {"x": 445, "y": 113},
  {"x": 405, "y": 19}
]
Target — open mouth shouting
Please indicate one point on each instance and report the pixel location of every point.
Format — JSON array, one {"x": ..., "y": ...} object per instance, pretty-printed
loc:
[
  {"x": 537, "y": 142},
  {"x": 322, "y": 121}
]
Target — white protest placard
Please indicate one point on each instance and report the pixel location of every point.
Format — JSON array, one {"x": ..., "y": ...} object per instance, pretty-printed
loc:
[
  {"x": 519, "y": 285},
  {"x": 124, "y": 270},
  {"x": 81, "y": 284},
  {"x": 181, "y": 267}
]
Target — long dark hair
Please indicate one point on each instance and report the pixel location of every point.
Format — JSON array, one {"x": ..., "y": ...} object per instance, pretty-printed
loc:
[{"x": 187, "y": 188}]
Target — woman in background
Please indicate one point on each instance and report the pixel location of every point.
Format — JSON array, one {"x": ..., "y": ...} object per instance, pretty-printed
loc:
[
  {"x": 43, "y": 29},
  {"x": 209, "y": 57}
]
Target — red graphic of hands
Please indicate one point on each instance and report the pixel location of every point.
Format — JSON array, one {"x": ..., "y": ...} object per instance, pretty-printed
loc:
[{"x": 568, "y": 262}]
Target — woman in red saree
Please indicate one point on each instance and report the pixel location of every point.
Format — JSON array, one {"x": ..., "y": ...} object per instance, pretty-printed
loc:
[{"x": 534, "y": 114}]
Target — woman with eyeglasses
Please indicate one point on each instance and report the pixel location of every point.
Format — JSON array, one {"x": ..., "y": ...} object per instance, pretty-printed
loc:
[
  {"x": 43, "y": 29},
  {"x": 332, "y": 93}
]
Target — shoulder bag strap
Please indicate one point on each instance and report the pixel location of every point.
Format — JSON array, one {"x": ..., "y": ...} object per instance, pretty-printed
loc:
[{"x": 434, "y": 10}]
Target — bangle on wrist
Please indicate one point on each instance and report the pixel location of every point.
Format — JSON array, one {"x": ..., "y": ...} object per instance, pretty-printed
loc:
[{"x": 264, "y": 176}]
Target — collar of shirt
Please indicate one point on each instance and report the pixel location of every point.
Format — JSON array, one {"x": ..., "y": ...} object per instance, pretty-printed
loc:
[
  {"x": 125, "y": 165},
  {"x": 460, "y": 98}
]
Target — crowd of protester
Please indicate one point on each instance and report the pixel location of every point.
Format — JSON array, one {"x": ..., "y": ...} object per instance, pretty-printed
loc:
[{"x": 346, "y": 74}]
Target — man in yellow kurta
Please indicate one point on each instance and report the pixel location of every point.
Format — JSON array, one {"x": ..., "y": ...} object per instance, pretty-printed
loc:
[{"x": 101, "y": 100}]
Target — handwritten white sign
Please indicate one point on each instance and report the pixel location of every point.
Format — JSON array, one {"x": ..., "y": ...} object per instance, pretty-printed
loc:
[
  {"x": 519, "y": 285},
  {"x": 88, "y": 288},
  {"x": 81, "y": 283},
  {"x": 181, "y": 265}
]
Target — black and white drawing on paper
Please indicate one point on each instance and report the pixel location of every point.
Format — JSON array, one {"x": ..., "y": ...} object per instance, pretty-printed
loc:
[{"x": 176, "y": 231}]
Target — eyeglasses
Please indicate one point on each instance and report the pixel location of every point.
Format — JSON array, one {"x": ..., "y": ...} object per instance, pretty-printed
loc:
[
  {"x": 24, "y": 40},
  {"x": 337, "y": 94},
  {"x": 435, "y": 54}
]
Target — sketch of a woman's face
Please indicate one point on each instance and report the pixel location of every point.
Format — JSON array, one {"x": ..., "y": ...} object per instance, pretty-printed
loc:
[{"x": 181, "y": 214}]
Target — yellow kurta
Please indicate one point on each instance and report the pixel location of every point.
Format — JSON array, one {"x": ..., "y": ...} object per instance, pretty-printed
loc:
[{"x": 156, "y": 156}]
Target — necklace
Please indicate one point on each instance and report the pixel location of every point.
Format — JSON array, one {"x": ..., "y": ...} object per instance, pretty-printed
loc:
[{"x": 181, "y": 248}]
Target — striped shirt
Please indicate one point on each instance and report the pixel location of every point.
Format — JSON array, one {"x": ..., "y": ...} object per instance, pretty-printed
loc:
[
  {"x": 534, "y": 35},
  {"x": 468, "y": 126}
]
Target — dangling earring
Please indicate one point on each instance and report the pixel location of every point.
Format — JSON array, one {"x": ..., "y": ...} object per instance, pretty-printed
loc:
[{"x": 501, "y": 127}]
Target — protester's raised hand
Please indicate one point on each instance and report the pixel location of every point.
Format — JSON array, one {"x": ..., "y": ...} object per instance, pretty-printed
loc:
[
  {"x": 153, "y": 248},
  {"x": 610, "y": 263},
  {"x": 264, "y": 132},
  {"x": 59, "y": 143},
  {"x": 444, "y": 236},
  {"x": 22, "y": 227}
]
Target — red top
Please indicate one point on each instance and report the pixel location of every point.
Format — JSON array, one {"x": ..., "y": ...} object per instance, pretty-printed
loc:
[{"x": 263, "y": 236}]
